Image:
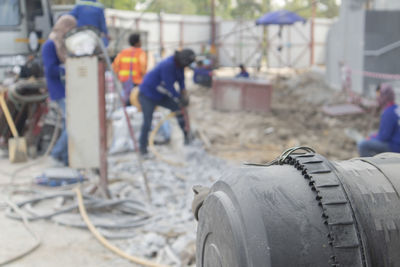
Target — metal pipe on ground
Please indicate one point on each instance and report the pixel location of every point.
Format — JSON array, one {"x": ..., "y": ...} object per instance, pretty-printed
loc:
[{"x": 303, "y": 210}]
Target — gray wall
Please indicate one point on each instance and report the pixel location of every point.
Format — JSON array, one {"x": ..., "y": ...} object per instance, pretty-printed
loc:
[
  {"x": 334, "y": 55},
  {"x": 379, "y": 33},
  {"x": 386, "y": 4},
  {"x": 345, "y": 43},
  {"x": 356, "y": 36}
]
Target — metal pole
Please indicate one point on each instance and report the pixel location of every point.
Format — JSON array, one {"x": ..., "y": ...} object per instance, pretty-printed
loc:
[
  {"x": 103, "y": 130},
  {"x": 213, "y": 32},
  {"x": 314, "y": 10},
  {"x": 137, "y": 22},
  {"x": 265, "y": 41},
  {"x": 181, "y": 34},
  {"x": 117, "y": 86},
  {"x": 289, "y": 48},
  {"x": 161, "y": 34},
  {"x": 240, "y": 42},
  {"x": 213, "y": 48}
]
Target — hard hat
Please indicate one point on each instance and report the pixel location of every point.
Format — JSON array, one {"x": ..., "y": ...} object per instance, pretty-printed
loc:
[{"x": 185, "y": 57}]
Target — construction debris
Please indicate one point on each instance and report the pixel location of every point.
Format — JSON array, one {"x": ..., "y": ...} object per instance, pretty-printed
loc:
[
  {"x": 296, "y": 118},
  {"x": 163, "y": 231}
]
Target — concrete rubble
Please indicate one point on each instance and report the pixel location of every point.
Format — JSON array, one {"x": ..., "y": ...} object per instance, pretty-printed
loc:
[
  {"x": 164, "y": 230},
  {"x": 169, "y": 236}
]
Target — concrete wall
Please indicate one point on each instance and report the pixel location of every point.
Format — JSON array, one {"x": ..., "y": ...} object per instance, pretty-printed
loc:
[
  {"x": 378, "y": 35},
  {"x": 353, "y": 33},
  {"x": 345, "y": 43},
  {"x": 356, "y": 36},
  {"x": 334, "y": 55}
]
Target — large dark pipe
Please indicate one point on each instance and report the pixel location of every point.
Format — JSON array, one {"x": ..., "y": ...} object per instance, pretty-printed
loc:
[{"x": 304, "y": 211}]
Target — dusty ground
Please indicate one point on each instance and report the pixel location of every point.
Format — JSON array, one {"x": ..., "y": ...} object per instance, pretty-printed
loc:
[
  {"x": 60, "y": 246},
  {"x": 295, "y": 119}
]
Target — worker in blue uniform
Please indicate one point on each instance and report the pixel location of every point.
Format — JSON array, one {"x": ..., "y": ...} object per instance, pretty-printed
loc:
[
  {"x": 243, "y": 72},
  {"x": 91, "y": 13},
  {"x": 157, "y": 89},
  {"x": 54, "y": 54},
  {"x": 387, "y": 139},
  {"x": 202, "y": 75}
]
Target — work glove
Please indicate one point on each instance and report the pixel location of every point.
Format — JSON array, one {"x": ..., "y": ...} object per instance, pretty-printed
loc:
[{"x": 184, "y": 99}]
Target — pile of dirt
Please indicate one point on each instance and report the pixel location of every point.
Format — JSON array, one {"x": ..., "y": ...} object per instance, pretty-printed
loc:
[{"x": 296, "y": 118}]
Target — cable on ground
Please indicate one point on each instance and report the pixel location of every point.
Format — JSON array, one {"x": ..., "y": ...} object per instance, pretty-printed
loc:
[
  {"x": 104, "y": 241},
  {"x": 28, "y": 228}
]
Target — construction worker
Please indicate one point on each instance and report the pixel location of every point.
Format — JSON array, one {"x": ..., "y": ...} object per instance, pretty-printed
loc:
[
  {"x": 202, "y": 75},
  {"x": 54, "y": 54},
  {"x": 131, "y": 65},
  {"x": 388, "y": 137},
  {"x": 91, "y": 13},
  {"x": 243, "y": 72},
  {"x": 158, "y": 89}
]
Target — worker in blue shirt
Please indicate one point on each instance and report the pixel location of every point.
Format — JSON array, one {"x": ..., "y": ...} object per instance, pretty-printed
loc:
[
  {"x": 91, "y": 13},
  {"x": 54, "y": 55},
  {"x": 202, "y": 75},
  {"x": 243, "y": 72},
  {"x": 157, "y": 89},
  {"x": 387, "y": 139}
]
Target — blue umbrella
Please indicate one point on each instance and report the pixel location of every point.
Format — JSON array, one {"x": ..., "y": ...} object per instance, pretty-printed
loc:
[{"x": 280, "y": 17}]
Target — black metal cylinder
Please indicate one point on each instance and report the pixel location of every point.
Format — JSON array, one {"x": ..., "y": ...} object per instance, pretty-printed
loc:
[{"x": 307, "y": 212}]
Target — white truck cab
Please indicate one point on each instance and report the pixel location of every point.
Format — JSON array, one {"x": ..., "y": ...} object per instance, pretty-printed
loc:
[{"x": 24, "y": 25}]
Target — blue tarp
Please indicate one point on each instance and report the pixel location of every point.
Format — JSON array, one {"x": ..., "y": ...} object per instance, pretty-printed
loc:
[{"x": 280, "y": 17}]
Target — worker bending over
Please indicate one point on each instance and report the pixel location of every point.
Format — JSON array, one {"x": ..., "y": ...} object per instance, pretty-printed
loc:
[
  {"x": 91, "y": 13},
  {"x": 388, "y": 137},
  {"x": 130, "y": 65},
  {"x": 54, "y": 54},
  {"x": 158, "y": 89}
]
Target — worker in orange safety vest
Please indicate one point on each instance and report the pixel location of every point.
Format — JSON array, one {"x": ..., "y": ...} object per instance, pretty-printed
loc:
[{"x": 130, "y": 65}]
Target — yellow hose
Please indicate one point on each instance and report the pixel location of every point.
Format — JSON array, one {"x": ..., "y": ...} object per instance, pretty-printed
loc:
[
  {"x": 104, "y": 241},
  {"x": 151, "y": 142}
]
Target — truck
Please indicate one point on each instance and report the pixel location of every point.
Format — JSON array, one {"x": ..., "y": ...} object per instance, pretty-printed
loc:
[{"x": 24, "y": 26}]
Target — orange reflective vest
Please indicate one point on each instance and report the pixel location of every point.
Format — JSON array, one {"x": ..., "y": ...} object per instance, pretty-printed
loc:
[{"x": 130, "y": 61}]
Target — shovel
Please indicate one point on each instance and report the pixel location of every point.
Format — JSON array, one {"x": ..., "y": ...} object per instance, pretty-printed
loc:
[{"x": 17, "y": 148}]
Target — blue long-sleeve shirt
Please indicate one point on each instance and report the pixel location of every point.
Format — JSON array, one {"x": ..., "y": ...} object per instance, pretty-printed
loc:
[
  {"x": 164, "y": 75},
  {"x": 53, "y": 71},
  {"x": 243, "y": 74},
  {"x": 200, "y": 71},
  {"x": 91, "y": 13},
  {"x": 389, "y": 127}
]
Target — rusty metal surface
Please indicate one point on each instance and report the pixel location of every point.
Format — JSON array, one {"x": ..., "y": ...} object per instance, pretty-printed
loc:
[
  {"x": 241, "y": 94},
  {"x": 103, "y": 130}
]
